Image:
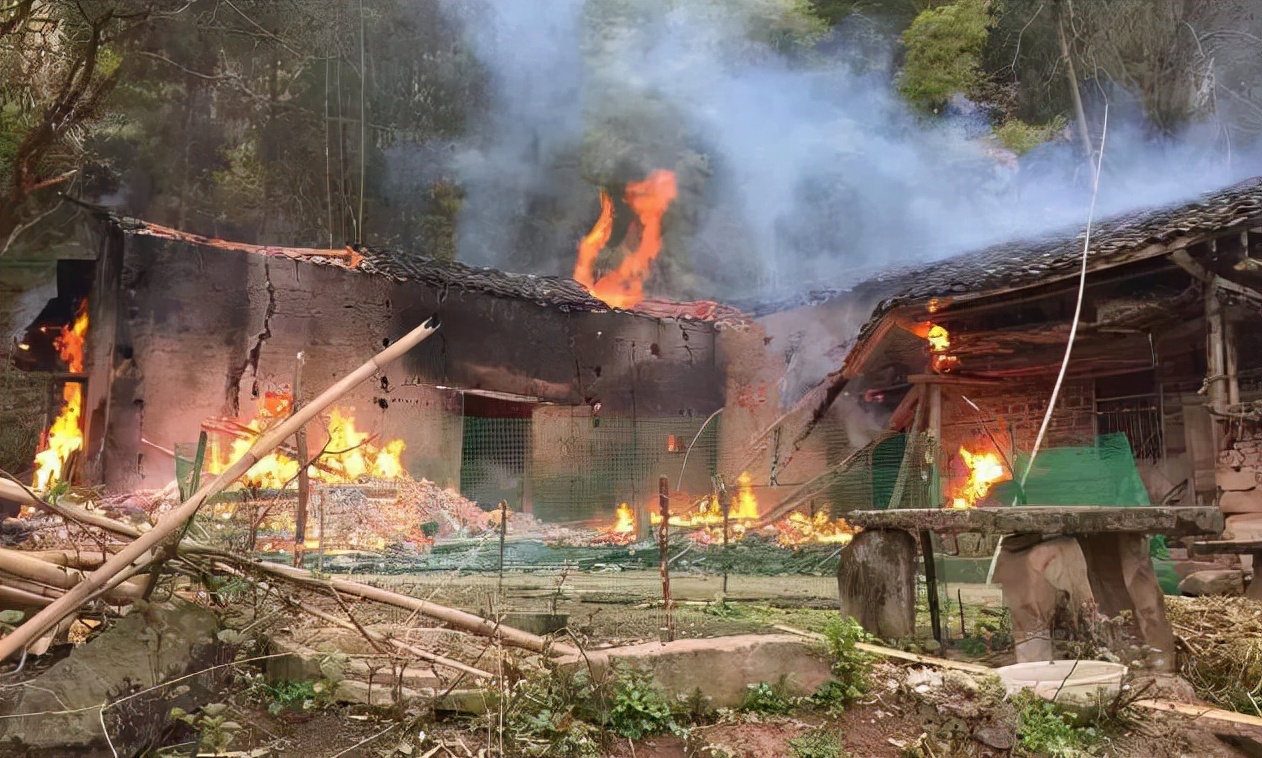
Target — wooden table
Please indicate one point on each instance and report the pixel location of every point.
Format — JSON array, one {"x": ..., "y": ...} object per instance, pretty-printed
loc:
[{"x": 1088, "y": 554}]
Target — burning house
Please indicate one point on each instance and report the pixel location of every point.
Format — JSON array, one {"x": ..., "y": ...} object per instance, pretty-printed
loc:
[
  {"x": 1162, "y": 359},
  {"x": 536, "y": 391},
  {"x": 540, "y": 393}
]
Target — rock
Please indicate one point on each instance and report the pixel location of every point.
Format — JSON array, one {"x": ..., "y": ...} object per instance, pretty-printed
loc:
[
  {"x": 1184, "y": 569},
  {"x": 1036, "y": 582},
  {"x": 1231, "y": 480},
  {"x": 1219, "y": 582},
  {"x": 153, "y": 644},
  {"x": 996, "y": 737},
  {"x": 721, "y": 667},
  {"x": 876, "y": 581},
  {"x": 1241, "y": 502},
  {"x": 1244, "y": 527}
]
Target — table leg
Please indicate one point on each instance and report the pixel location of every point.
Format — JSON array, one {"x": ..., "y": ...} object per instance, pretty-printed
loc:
[
  {"x": 1037, "y": 581},
  {"x": 1254, "y": 590},
  {"x": 876, "y": 582},
  {"x": 1146, "y": 596}
]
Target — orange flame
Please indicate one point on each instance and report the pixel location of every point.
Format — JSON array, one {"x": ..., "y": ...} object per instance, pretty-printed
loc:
[
  {"x": 64, "y": 437},
  {"x": 349, "y": 453},
  {"x": 985, "y": 469},
  {"x": 799, "y": 529},
  {"x": 624, "y": 287},
  {"x": 939, "y": 339},
  {"x": 939, "y": 343}
]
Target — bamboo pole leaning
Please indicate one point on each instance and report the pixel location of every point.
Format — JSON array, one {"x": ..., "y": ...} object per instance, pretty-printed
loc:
[
  {"x": 458, "y": 619},
  {"x": 172, "y": 523}
]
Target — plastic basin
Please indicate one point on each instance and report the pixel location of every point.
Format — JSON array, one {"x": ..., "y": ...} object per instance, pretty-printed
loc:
[{"x": 1066, "y": 681}]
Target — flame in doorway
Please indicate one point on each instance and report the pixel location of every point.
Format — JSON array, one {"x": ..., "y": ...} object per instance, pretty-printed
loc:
[{"x": 65, "y": 436}]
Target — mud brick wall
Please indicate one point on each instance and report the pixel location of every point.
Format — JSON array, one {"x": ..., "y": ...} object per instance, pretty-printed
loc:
[
  {"x": 1012, "y": 412},
  {"x": 199, "y": 333}
]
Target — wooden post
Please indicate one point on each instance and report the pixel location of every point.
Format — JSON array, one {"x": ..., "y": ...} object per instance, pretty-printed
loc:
[
  {"x": 935, "y": 440},
  {"x": 931, "y": 583},
  {"x": 935, "y": 498},
  {"x": 1232, "y": 362},
  {"x": 1216, "y": 358},
  {"x": 304, "y": 480},
  {"x": 503, "y": 533},
  {"x": 663, "y": 545},
  {"x": 725, "y": 503}
]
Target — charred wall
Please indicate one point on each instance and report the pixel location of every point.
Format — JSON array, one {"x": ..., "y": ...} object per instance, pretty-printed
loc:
[{"x": 202, "y": 332}]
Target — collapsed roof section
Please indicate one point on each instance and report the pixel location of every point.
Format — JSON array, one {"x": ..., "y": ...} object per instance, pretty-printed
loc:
[{"x": 561, "y": 293}]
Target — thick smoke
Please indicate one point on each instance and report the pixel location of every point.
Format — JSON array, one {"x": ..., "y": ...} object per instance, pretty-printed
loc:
[{"x": 795, "y": 174}]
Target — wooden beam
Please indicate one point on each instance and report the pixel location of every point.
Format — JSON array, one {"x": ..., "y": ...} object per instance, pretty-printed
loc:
[
  {"x": 906, "y": 409},
  {"x": 952, "y": 379}
]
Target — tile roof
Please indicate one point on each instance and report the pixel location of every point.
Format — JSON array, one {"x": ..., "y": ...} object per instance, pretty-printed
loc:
[
  {"x": 1028, "y": 262},
  {"x": 558, "y": 292}
]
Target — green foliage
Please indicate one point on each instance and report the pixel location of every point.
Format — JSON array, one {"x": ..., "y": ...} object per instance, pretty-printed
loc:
[
  {"x": 1157, "y": 547},
  {"x": 819, "y": 743},
  {"x": 720, "y": 608},
  {"x": 543, "y": 716},
  {"x": 767, "y": 699},
  {"x": 638, "y": 708},
  {"x": 832, "y": 696},
  {"x": 289, "y": 696},
  {"x": 851, "y": 665},
  {"x": 1042, "y": 730},
  {"x": 1021, "y": 138},
  {"x": 694, "y": 709},
  {"x": 944, "y": 49},
  {"x": 212, "y": 722}
]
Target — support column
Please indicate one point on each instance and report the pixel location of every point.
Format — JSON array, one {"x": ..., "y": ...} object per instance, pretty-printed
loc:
[{"x": 876, "y": 579}]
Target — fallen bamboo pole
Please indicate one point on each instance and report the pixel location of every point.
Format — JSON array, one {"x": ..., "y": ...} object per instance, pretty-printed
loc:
[
  {"x": 14, "y": 491},
  {"x": 375, "y": 636},
  {"x": 14, "y": 597},
  {"x": 174, "y": 521},
  {"x": 458, "y": 619},
  {"x": 1200, "y": 711},
  {"x": 21, "y": 566}
]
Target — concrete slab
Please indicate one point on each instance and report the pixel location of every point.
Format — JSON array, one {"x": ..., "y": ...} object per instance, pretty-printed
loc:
[{"x": 722, "y": 667}]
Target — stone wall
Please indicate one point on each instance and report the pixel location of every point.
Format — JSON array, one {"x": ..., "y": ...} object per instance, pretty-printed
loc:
[{"x": 1239, "y": 471}]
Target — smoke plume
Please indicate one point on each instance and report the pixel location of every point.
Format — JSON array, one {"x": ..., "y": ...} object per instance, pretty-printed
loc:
[{"x": 798, "y": 170}]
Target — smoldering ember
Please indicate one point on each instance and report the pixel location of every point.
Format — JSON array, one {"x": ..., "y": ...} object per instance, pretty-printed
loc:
[{"x": 603, "y": 378}]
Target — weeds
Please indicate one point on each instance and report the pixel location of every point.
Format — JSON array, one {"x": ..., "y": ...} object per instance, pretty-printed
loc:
[
  {"x": 216, "y": 731},
  {"x": 850, "y": 665},
  {"x": 638, "y": 707},
  {"x": 767, "y": 699},
  {"x": 1042, "y": 730},
  {"x": 819, "y": 743},
  {"x": 542, "y": 716}
]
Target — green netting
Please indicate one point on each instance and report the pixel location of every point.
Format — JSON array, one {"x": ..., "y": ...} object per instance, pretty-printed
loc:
[
  {"x": 1101, "y": 475},
  {"x": 583, "y": 467},
  {"x": 565, "y": 465},
  {"x": 493, "y": 460}
]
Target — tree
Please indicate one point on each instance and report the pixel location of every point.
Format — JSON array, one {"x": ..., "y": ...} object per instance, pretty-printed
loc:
[
  {"x": 944, "y": 52},
  {"x": 59, "y": 62}
]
